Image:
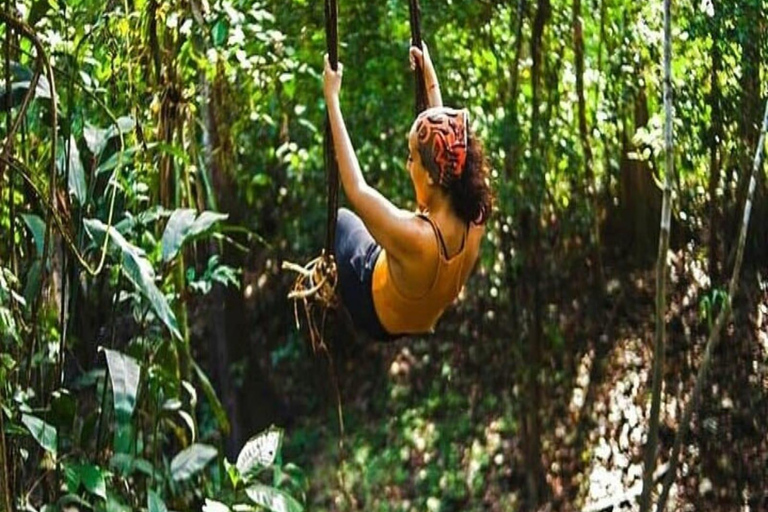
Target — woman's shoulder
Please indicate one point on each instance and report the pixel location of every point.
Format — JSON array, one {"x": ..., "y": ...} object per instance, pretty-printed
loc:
[
  {"x": 475, "y": 236},
  {"x": 476, "y": 230}
]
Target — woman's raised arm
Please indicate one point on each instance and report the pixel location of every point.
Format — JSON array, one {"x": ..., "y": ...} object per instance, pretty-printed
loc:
[
  {"x": 434, "y": 97},
  {"x": 398, "y": 231}
]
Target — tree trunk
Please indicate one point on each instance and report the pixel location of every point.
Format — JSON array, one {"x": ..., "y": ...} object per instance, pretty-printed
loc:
[
  {"x": 639, "y": 197},
  {"x": 536, "y": 481},
  {"x": 661, "y": 271},
  {"x": 218, "y": 347},
  {"x": 715, "y": 138},
  {"x": 589, "y": 178},
  {"x": 513, "y": 142},
  {"x": 5, "y": 488},
  {"x": 749, "y": 123}
]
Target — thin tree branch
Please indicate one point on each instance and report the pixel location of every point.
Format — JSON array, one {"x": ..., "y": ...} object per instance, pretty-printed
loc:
[{"x": 661, "y": 272}]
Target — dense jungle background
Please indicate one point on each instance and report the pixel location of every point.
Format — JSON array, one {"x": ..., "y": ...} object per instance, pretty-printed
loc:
[{"x": 161, "y": 159}]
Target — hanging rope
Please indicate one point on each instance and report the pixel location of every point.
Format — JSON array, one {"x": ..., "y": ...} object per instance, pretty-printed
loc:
[
  {"x": 331, "y": 165},
  {"x": 418, "y": 73},
  {"x": 315, "y": 285}
]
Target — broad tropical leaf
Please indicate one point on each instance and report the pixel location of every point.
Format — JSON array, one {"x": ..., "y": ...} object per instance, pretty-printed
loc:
[
  {"x": 91, "y": 476},
  {"x": 138, "y": 270},
  {"x": 260, "y": 451},
  {"x": 184, "y": 225},
  {"x": 215, "y": 506},
  {"x": 191, "y": 460},
  {"x": 125, "y": 374},
  {"x": 37, "y": 228},
  {"x": 76, "y": 177},
  {"x": 44, "y": 434},
  {"x": 155, "y": 503},
  {"x": 176, "y": 231},
  {"x": 272, "y": 499},
  {"x": 97, "y": 138}
]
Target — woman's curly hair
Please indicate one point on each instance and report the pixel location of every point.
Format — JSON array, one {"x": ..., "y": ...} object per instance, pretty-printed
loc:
[{"x": 471, "y": 194}]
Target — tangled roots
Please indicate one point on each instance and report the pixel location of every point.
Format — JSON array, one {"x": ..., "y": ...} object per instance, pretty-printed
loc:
[{"x": 315, "y": 288}]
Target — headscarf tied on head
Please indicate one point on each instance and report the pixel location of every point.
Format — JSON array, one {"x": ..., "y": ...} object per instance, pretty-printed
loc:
[{"x": 443, "y": 140}]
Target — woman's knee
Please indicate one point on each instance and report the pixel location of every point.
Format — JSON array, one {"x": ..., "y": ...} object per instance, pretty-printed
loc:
[
  {"x": 346, "y": 222},
  {"x": 345, "y": 216}
]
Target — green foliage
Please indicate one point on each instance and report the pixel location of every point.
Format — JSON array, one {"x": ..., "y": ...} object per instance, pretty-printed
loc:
[
  {"x": 191, "y": 460},
  {"x": 155, "y": 503},
  {"x": 44, "y": 434},
  {"x": 184, "y": 225},
  {"x": 215, "y": 272},
  {"x": 124, "y": 373},
  {"x": 9, "y": 331},
  {"x": 91, "y": 477},
  {"x": 272, "y": 499},
  {"x": 710, "y": 305},
  {"x": 170, "y": 111},
  {"x": 138, "y": 270},
  {"x": 259, "y": 457}
]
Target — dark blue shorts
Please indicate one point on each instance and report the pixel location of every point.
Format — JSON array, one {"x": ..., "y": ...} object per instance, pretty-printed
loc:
[{"x": 356, "y": 253}]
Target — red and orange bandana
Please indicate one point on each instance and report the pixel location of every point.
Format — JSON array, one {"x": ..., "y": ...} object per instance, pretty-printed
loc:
[{"x": 443, "y": 140}]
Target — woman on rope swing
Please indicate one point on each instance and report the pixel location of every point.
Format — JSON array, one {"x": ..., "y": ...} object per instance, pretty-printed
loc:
[{"x": 399, "y": 270}]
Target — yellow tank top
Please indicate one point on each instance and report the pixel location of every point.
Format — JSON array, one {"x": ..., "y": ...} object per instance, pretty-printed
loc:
[{"x": 400, "y": 314}]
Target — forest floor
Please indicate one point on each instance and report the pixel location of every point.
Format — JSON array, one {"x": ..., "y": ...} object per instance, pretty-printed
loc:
[{"x": 431, "y": 424}]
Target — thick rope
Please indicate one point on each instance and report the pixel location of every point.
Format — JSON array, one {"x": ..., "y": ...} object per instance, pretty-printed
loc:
[
  {"x": 331, "y": 165},
  {"x": 418, "y": 73},
  {"x": 315, "y": 285}
]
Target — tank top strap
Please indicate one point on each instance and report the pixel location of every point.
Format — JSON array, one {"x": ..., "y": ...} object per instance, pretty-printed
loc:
[{"x": 438, "y": 235}]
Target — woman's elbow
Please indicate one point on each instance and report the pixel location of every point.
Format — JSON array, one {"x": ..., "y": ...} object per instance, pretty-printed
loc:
[{"x": 356, "y": 194}]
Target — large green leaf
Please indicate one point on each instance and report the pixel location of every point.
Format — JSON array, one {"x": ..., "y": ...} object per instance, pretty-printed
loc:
[
  {"x": 93, "y": 480},
  {"x": 76, "y": 178},
  {"x": 34, "y": 276},
  {"x": 96, "y": 138},
  {"x": 215, "y": 506},
  {"x": 91, "y": 476},
  {"x": 138, "y": 270},
  {"x": 219, "y": 32},
  {"x": 125, "y": 373},
  {"x": 205, "y": 222},
  {"x": 184, "y": 225},
  {"x": 260, "y": 451},
  {"x": 37, "y": 228},
  {"x": 272, "y": 499},
  {"x": 191, "y": 460},
  {"x": 71, "y": 477},
  {"x": 155, "y": 503},
  {"x": 21, "y": 77},
  {"x": 44, "y": 434},
  {"x": 176, "y": 231}
]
